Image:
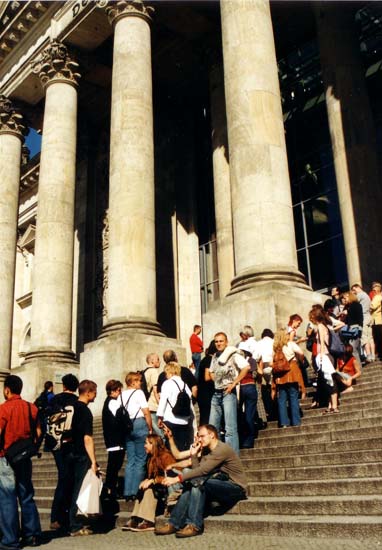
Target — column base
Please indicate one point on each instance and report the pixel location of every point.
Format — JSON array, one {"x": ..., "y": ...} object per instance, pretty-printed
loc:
[
  {"x": 50, "y": 355},
  {"x": 250, "y": 279},
  {"x": 268, "y": 305},
  {"x": 119, "y": 353},
  {"x": 136, "y": 325}
]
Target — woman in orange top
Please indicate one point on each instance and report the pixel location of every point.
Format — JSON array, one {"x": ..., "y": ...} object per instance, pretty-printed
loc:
[{"x": 348, "y": 370}]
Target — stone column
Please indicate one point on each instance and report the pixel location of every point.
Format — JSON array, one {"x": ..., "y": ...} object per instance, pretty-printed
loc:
[
  {"x": 12, "y": 132},
  {"x": 132, "y": 278},
  {"x": 222, "y": 188},
  {"x": 51, "y": 325},
  {"x": 353, "y": 139},
  {"x": 264, "y": 238}
]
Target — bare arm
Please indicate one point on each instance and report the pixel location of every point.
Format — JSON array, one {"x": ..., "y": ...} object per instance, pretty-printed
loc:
[
  {"x": 147, "y": 415},
  {"x": 208, "y": 376},
  {"x": 194, "y": 391},
  {"x": 89, "y": 446},
  {"x": 179, "y": 455}
]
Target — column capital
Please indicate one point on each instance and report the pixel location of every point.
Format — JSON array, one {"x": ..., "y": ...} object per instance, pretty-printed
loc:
[
  {"x": 55, "y": 65},
  {"x": 126, "y": 8},
  {"x": 11, "y": 120}
]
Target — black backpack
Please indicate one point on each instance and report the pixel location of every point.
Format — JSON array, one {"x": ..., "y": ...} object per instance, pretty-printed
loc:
[
  {"x": 122, "y": 417},
  {"x": 59, "y": 428},
  {"x": 144, "y": 384},
  {"x": 182, "y": 405},
  {"x": 42, "y": 402}
]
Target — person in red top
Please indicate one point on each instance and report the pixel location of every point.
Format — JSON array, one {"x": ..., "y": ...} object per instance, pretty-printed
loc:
[
  {"x": 196, "y": 345},
  {"x": 348, "y": 370},
  {"x": 16, "y": 482}
]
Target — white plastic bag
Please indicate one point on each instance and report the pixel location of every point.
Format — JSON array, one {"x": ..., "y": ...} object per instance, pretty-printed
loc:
[
  {"x": 325, "y": 365},
  {"x": 88, "y": 500}
]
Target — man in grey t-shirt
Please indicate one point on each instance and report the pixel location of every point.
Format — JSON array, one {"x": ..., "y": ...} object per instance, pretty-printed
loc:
[{"x": 227, "y": 368}]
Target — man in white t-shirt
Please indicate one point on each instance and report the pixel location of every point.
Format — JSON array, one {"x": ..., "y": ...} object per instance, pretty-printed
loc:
[{"x": 227, "y": 368}]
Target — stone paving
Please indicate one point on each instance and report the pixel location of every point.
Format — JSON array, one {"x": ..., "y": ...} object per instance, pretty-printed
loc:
[{"x": 119, "y": 540}]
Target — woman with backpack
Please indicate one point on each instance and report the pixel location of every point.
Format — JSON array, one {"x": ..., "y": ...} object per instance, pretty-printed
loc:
[
  {"x": 288, "y": 379},
  {"x": 134, "y": 401},
  {"x": 174, "y": 409}
]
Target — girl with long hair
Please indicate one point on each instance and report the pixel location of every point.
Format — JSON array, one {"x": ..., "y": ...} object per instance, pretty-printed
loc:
[{"x": 159, "y": 458}]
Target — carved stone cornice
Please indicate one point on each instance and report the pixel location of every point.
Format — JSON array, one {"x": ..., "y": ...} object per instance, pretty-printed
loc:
[
  {"x": 55, "y": 65},
  {"x": 11, "y": 120},
  {"x": 126, "y": 8}
]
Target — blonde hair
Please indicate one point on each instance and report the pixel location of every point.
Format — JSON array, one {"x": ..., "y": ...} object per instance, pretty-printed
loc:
[
  {"x": 132, "y": 377},
  {"x": 172, "y": 368},
  {"x": 350, "y": 296},
  {"x": 281, "y": 339}
]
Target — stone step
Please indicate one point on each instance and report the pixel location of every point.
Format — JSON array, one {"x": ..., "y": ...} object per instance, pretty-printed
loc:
[
  {"x": 319, "y": 459},
  {"x": 299, "y": 526},
  {"x": 363, "y": 505},
  {"x": 311, "y": 447},
  {"x": 363, "y": 486},
  {"x": 367, "y": 505},
  {"x": 333, "y": 472},
  {"x": 296, "y": 435},
  {"x": 354, "y": 396},
  {"x": 333, "y": 422},
  {"x": 319, "y": 417},
  {"x": 347, "y": 407}
]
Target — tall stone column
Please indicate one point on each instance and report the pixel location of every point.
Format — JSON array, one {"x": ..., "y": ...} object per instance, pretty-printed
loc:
[
  {"x": 51, "y": 325},
  {"x": 222, "y": 188},
  {"x": 264, "y": 238},
  {"x": 132, "y": 278},
  {"x": 353, "y": 139},
  {"x": 12, "y": 132}
]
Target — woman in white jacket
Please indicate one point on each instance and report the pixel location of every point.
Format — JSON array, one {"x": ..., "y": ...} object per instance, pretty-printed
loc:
[{"x": 181, "y": 426}]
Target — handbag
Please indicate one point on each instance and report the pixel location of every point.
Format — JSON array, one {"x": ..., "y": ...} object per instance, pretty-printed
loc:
[
  {"x": 23, "y": 448},
  {"x": 160, "y": 491},
  {"x": 336, "y": 346},
  {"x": 88, "y": 500}
]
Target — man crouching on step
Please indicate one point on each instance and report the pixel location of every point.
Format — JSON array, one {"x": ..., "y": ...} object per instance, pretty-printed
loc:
[{"x": 215, "y": 483}]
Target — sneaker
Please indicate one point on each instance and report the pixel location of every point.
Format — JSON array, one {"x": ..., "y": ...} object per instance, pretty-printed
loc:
[
  {"x": 81, "y": 532},
  {"x": 144, "y": 526},
  {"x": 33, "y": 541},
  {"x": 166, "y": 529},
  {"x": 131, "y": 525},
  {"x": 188, "y": 531}
]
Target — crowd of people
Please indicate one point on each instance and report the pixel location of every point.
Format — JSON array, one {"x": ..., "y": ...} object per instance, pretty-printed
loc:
[{"x": 173, "y": 465}]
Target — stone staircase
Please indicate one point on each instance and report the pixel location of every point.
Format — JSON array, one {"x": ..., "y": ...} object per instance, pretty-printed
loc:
[{"x": 322, "y": 479}]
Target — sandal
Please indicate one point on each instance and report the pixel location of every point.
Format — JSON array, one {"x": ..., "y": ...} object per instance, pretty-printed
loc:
[
  {"x": 327, "y": 411},
  {"x": 335, "y": 411},
  {"x": 314, "y": 405}
]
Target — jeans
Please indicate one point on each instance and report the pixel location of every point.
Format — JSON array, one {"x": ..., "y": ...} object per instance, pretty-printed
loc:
[
  {"x": 289, "y": 392},
  {"x": 114, "y": 464},
  {"x": 183, "y": 434},
  {"x": 196, "y": 358},
  {"x": 78, "y": 467},
  {"x": 135, "y": 470},
  {"x": 248, "y": 398},
  {"x": 63, "y": 492},
  {"x": 225, "y": 403},
  {"x": 16, "y": 484},
  {"x": 191, "y": 505}
]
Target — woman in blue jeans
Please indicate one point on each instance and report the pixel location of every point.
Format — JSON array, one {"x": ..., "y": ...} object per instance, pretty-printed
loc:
[
  {"x": 290, "y": 383},
  {"x": 135, "y": 402}
]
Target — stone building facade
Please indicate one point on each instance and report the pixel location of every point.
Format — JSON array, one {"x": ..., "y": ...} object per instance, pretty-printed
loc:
[{"x": 165, "y": 136}]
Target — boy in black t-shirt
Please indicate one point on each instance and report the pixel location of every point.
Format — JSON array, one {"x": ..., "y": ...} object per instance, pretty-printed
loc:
[{"x": 82, "y": 456}]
